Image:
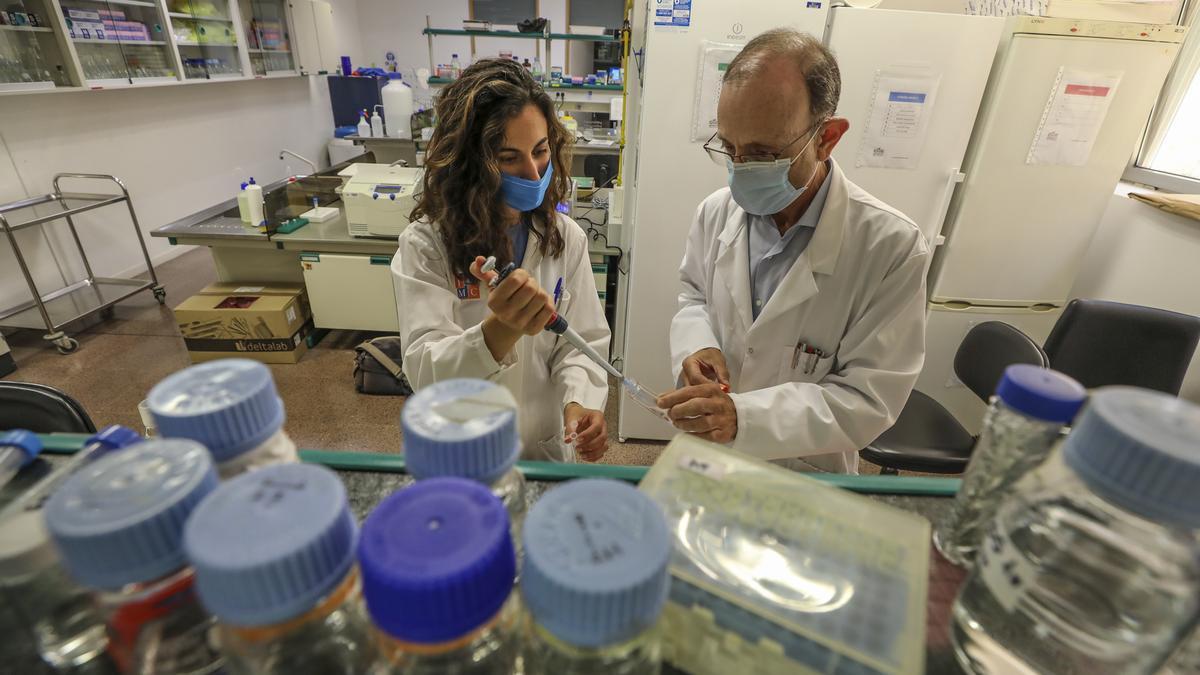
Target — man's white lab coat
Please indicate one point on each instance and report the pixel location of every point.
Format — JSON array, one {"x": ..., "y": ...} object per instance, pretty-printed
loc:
[
  {"x": 857, "y": 294},
  {"x": 442, "y": 335}
]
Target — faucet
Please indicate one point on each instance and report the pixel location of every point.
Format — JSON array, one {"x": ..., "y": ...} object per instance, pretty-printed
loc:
[
  {"x": 400, "y": 162},
  {"x": 306, "y": 161}
]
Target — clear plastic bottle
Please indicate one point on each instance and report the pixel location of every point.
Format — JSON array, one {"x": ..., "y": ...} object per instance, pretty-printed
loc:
[
  {"x": 118, "y": 524},
  {"x": 1023, "y": 422},
  {"x": 455, "y": 67},
  {"x": 595, "y": 581},
  {"x": 59, "y": 615},
  {"x": 467, "y": 428},
  {"x": 230, "y": 406},
  {"x": 1093, "y": 565},
  {"x": 438, "y": 568},
  {"x": 539, "y": 73},
  {"x": 273, "y": 552},
  {"x": 17, "y": 448}
]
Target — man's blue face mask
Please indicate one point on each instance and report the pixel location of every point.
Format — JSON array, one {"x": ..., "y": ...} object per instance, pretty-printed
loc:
[
  {"x": 763, "y": 188},
  {"x": 523, "y": 194}
]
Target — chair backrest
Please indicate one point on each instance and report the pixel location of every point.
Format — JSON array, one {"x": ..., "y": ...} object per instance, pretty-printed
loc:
[
  {"x": 1101, "y": 343},
  {"x": 987, "y": 350},
  {"x": 41, "y": 409}
]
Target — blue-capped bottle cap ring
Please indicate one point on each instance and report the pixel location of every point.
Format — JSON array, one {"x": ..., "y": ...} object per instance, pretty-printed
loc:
[
  {"x": 461, "y": 427},
  {"x": 1042, "y": 393},
  {"x": 23, "y": 441}
]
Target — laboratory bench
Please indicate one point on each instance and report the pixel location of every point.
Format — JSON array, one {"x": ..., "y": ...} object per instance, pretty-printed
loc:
[
  {"x": 370, "y": 477},
  {"x": 348, "y": 278}
]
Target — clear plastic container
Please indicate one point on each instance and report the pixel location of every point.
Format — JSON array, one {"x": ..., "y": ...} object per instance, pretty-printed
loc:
[
  {"x": 58, "y": 614},
  {"x": 118, "y": 525},
  {"x": 438, "y": 568},
  {"x": 468, "y": 429},
  {"x": 1022, "y": 424},
  {"x": 1093, "y": 565},
  {"x": 595, "y": 581},
  {"x": 274, "y": 555},
  {"x": 230, "y": 406},
  {"x": 17, "y": 448}
]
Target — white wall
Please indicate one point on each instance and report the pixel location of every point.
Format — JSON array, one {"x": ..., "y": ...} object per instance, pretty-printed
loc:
[
  {"x": 1144, "y": 256},
  {"x": 178, "y": 149},
  {"x": 348, "y": 33}
]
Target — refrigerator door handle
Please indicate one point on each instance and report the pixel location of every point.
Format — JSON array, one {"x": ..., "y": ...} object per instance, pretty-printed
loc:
[{"x": 954, "y": 178}]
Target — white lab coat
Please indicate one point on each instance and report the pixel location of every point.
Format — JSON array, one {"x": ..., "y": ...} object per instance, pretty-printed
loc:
[
  {"x": 857, "y": 293},
  {"x": 442, "y": 335}
]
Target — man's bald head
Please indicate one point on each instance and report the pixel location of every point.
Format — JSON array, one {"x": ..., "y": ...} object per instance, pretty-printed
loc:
[{"x": 786, "y": 50}]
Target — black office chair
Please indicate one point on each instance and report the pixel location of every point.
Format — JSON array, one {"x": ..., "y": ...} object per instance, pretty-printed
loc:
[
  {"x": 1101, "y": 343},
  {"x": 41, "y": 409},
  {"x": 926, "y": 436}
]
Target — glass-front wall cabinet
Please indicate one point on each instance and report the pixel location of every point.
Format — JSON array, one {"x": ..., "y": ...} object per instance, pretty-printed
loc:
[
  {"x": 119, "y": 41},
  {"x": 31, "y": 57},
  {"x": 269, "y": 37},
  {"x": 207, "y": 37}
]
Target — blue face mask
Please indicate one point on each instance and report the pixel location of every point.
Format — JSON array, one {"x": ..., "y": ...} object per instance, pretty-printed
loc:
[
  {"x": 763, "y": 188},
  {"x": 523, "y": 194}
]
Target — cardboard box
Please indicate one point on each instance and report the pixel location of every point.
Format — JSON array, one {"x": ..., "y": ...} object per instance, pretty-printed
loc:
[{"x": 265, "y": 322}]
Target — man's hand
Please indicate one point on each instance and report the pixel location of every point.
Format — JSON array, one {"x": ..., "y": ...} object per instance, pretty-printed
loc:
[
  {"x": 706, "y": 365},
  {"x": 587, "y": 429},
  {"x": 704, "y": 410}
]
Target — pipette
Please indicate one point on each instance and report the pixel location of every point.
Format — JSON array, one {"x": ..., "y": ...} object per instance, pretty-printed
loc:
[{"x": 558, "y": 325}]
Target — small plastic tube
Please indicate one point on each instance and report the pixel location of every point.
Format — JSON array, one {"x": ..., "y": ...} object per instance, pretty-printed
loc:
[{"x": 17, "y": 448}]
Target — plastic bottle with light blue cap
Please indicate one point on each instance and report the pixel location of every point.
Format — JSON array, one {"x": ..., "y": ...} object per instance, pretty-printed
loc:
[
  {"x": 1092, "y": 565},
  {"x": 118, "y": 525},
  {"x": 595, "y": 580},
  {"x": 1023, "y": 422},
  {"x": 17, "y": 449},
  {"x": 437, "y": 568},
  {"x": 231, "y": 407},
  {"x": 467, "y": 428},
  {"x": 274, "y": 555}
]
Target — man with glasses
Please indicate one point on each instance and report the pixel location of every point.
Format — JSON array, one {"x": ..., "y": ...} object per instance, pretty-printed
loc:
[{"x": 801, "y": 327}]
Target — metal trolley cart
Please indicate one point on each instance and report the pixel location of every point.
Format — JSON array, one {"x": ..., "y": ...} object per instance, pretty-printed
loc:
[{"x": 86, "y": 296}]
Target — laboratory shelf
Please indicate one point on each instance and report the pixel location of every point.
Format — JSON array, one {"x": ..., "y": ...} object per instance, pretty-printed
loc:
[
  {"x": 185, "y": 15},
  {"x": 253, "y": 50},
  {"x": 436, "y": 81},
  {"x": 183, "y": 43},
  {"x": 73, "y": 302},
  {"x": 485, "y": 33},
  {"x": 124, "y": 43},
  {"x": 584, "y": 38},
  {"x": 27, "y": 29},
  {"x": 131, "y": 3}
]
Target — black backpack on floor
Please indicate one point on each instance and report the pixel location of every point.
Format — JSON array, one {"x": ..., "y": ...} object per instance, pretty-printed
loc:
[{"x": 377, "y": 368}]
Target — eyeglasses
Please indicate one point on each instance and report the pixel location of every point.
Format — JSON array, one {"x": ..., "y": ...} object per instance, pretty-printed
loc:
[{"x": 720, "y": 156}]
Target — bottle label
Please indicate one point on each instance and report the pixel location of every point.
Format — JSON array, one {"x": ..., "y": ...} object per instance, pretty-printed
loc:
[
  {"x": 131, "y": 619},
  {"x": 1002, "y": 568}
]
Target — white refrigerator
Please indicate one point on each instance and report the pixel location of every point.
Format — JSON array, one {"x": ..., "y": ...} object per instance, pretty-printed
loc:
[
  {"x": 1065, "y": 104},
  {"x": 875, "y": 48}
]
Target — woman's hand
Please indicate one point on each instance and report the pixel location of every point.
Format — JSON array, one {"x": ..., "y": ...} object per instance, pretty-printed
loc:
[
  {"x": 587, "y": 429},
  {"x": 518, "y": 302}
]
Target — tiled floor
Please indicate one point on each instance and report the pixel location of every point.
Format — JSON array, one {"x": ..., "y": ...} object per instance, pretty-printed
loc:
[{"x": 120, "y": 359}]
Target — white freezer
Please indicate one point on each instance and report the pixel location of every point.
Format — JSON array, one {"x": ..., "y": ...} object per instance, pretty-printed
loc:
[
  {"x": 1017, "y": 231},
  {"x": 946, "y": 328},
  {"x": 668, "y": 174},
  {"x": 956, "y": 50}
]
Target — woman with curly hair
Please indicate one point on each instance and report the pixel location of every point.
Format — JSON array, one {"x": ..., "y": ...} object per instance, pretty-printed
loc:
[{"x": 495, "y": 170}]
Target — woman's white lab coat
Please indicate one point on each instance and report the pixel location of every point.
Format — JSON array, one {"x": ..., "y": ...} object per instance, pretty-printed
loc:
[
  {"x": 442, "y": 336},
  {"x": 857, "y": 293}
]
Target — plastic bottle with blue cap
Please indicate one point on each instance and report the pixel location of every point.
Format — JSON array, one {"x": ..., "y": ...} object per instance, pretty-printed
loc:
[
  {"x": 437, "y": 568},
  {"x": 1023, "y": 422},
  {"x": 595, "y": 581},
  {"x": 1092, "y": 565},
  {"x": 274, "y": 555},
  {"x": 118, "y": 525},
  {"x": 17, "y": 449},
  {"x": 467, "y": 428},
  {"x": 56, "y": 614},
  {"x": 231, "y": 407}
]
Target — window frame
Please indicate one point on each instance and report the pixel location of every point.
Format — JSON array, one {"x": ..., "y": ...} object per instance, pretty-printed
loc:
[{"x": 1135, "y": 171}]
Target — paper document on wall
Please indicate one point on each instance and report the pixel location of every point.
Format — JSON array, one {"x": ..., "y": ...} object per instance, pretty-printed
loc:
[
  {"x": 1073, "y": 117},
  {"x": 898, "y": 120},
  {"x": 714, "y": 61}
]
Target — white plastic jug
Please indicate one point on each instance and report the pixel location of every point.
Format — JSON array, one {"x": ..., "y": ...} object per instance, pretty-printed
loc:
[{"x": 398, "y": 107}]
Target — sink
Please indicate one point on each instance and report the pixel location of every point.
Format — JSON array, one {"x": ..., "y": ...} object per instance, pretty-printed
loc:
[{"x": 287, "y": 200}]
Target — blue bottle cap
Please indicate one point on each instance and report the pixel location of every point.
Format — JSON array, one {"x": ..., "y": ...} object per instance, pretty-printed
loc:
[
  {"x": 596, "y": 554},
  {"x": 465, "y": 428},
  {"x": 437, "y": 560},
  {"x": 1042, "y": 393},
  {"x": 229, "y": 405},
  {"x": 268, "y": 545},
  {"x": 26, "y": 442},
  {"x": 1140, "y": 449},
  {"x": 114, "y": 437},
  {"x": 119, "y": 520}
]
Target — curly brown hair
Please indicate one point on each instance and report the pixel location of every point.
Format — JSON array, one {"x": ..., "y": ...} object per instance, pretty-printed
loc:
[{"x": 461, "y": 186}]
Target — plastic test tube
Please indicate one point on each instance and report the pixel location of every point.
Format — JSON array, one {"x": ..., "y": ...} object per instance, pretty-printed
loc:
[{"x": 17, "y": 448}]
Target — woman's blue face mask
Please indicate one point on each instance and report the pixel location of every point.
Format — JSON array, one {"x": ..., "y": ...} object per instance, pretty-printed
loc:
[{"x": 523, "y": 194}]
